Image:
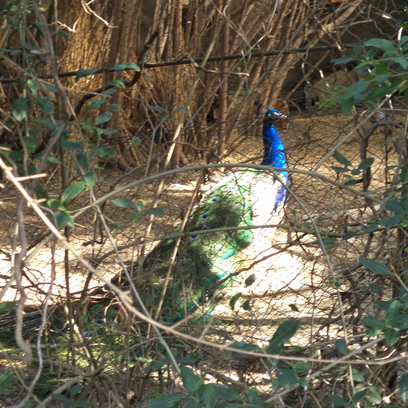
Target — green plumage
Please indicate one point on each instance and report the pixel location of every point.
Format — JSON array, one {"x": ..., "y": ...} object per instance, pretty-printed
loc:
[{"x": 211, "y": 251}]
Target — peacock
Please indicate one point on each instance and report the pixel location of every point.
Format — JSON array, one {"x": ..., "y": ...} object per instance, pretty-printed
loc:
[{"x": 217, "y": 232}]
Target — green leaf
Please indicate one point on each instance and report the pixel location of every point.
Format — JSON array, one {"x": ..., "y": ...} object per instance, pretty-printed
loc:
[
  {"x": 352, "y": 95},
  {"x": 359, "y": 395},
  {"x": 355, "y": 89},
  {"x": 103, "y": 118},
  {"x": 114, "y": 107},
  {"x": 81, "y": 73},
  {"x": 341, "y": 159},
  {"x": 33, "y": 85},
  {"x": 63, "y": 219},
  {"x": 301, "y": 366},
  {"x": 347, "y": 105},
  {"x": 374, "y": 395},
  {"x": 394, "y": 206},
  {"x": 106, "y": 131},
  {"x": 374, "y": 266},
  {"x": 50, "y": 87},
  {"x": 402, "y": 62},
  {"x": 293, "y": 307},
  {"x": 109, "y": 91},
  {"x": 156, "y": 211},
  {"x": 155, "y": 365},
  {"x": 250, "y": 280},
  {"x": 158, "y": 109},
  {"x": 179, "y": 109},
  {"x": 339, "y": 401},
  {"x": 341, "y": 346},
  {"x": 6, "y": 306},
  {"x": 342, "y": 60},
  {"x": 393, "y": 308},
  {"x": 134, "y": 217},
  {"x": 242, "y": 346},
  {"x": 191, "y": 382},
  {"x": 5, "y": 380},
  {"x": 403, "y": 386},
  {"x": 72, "y": 145},
  {"x": 75, "y": 390},
  {"x": 350, "y": 182},
  {"x": 209, "y": 395},
  {"x": 30, "y": 143},
  {"x": 48, "y": 122},
  {"x": 90, "y": 179},
  {"x": 124, "y": 66},
  {"x": 58, "y": 397},
  {"x": 391, "y": 222},
  {"x": 403, "y": 40},
  {"x": 252, "y": 394},
  {"x": 390, "y": 336},
  {"x": 371, "y": 228},
  {"x": 282, "y": 335},
  {"x": 382, "y": 44},
  {"x": 136, "y": 142},
  {"x": 53, "y": 203},
  {"x": 340, "y": 169},
  {"x": 96, "y": 104},
  {"x": 213, "y": 391},
  {"x": 366, "y": 163},
  {"x": 234, "y": 300},
  {"x": 357, "y": 376},
  {"x": 45, "y": 104},
  {"x": 374, "y": 326},
  {"x": 104, "y": 152},
  {"x": 403, "y": 294},
  {"x": 371, "y": 321},
  {"x": 124, "y": 202},
  {"x": 20, "y": 109},
  {"x": 52, "y": 160},
  {"x": 375, "y": 288},
  {"x": 383, "y": 304},
  {"x": 83, "y": 160},
  {"x": 247, "y": 305},
  {"x": 286, "y": 377},
  {"x": 72, "y": 191},
  {"x": 400, "y": 321},
  {"x": 166, "y": 401},
  {"x": 381, "y": 91},
  {"x": 117, "y": 83}
]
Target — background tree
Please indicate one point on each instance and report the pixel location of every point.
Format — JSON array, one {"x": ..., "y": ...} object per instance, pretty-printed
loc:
[{"x": 102, "y": 36}]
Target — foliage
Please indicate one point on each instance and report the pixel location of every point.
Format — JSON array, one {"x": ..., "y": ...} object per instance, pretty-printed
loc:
[
  {"x": 213, "y": 395},
  {"x": 70, "y": 401},
  {"x": 382, "y": 65}
]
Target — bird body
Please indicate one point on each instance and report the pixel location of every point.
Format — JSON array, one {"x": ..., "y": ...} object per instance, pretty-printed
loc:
[{"x": 220, "y": 227}]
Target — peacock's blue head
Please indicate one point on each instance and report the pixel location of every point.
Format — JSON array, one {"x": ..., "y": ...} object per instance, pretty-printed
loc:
[{"x": 271, "y": 115}]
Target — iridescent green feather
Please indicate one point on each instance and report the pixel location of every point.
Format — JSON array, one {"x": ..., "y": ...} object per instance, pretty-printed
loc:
[{"x": 205, "y": 255}]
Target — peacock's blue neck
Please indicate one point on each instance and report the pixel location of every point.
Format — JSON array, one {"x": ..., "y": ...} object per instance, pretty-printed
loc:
[
  {"x": 274, "y": 152},
  {"x": 274, "y": 155}
]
